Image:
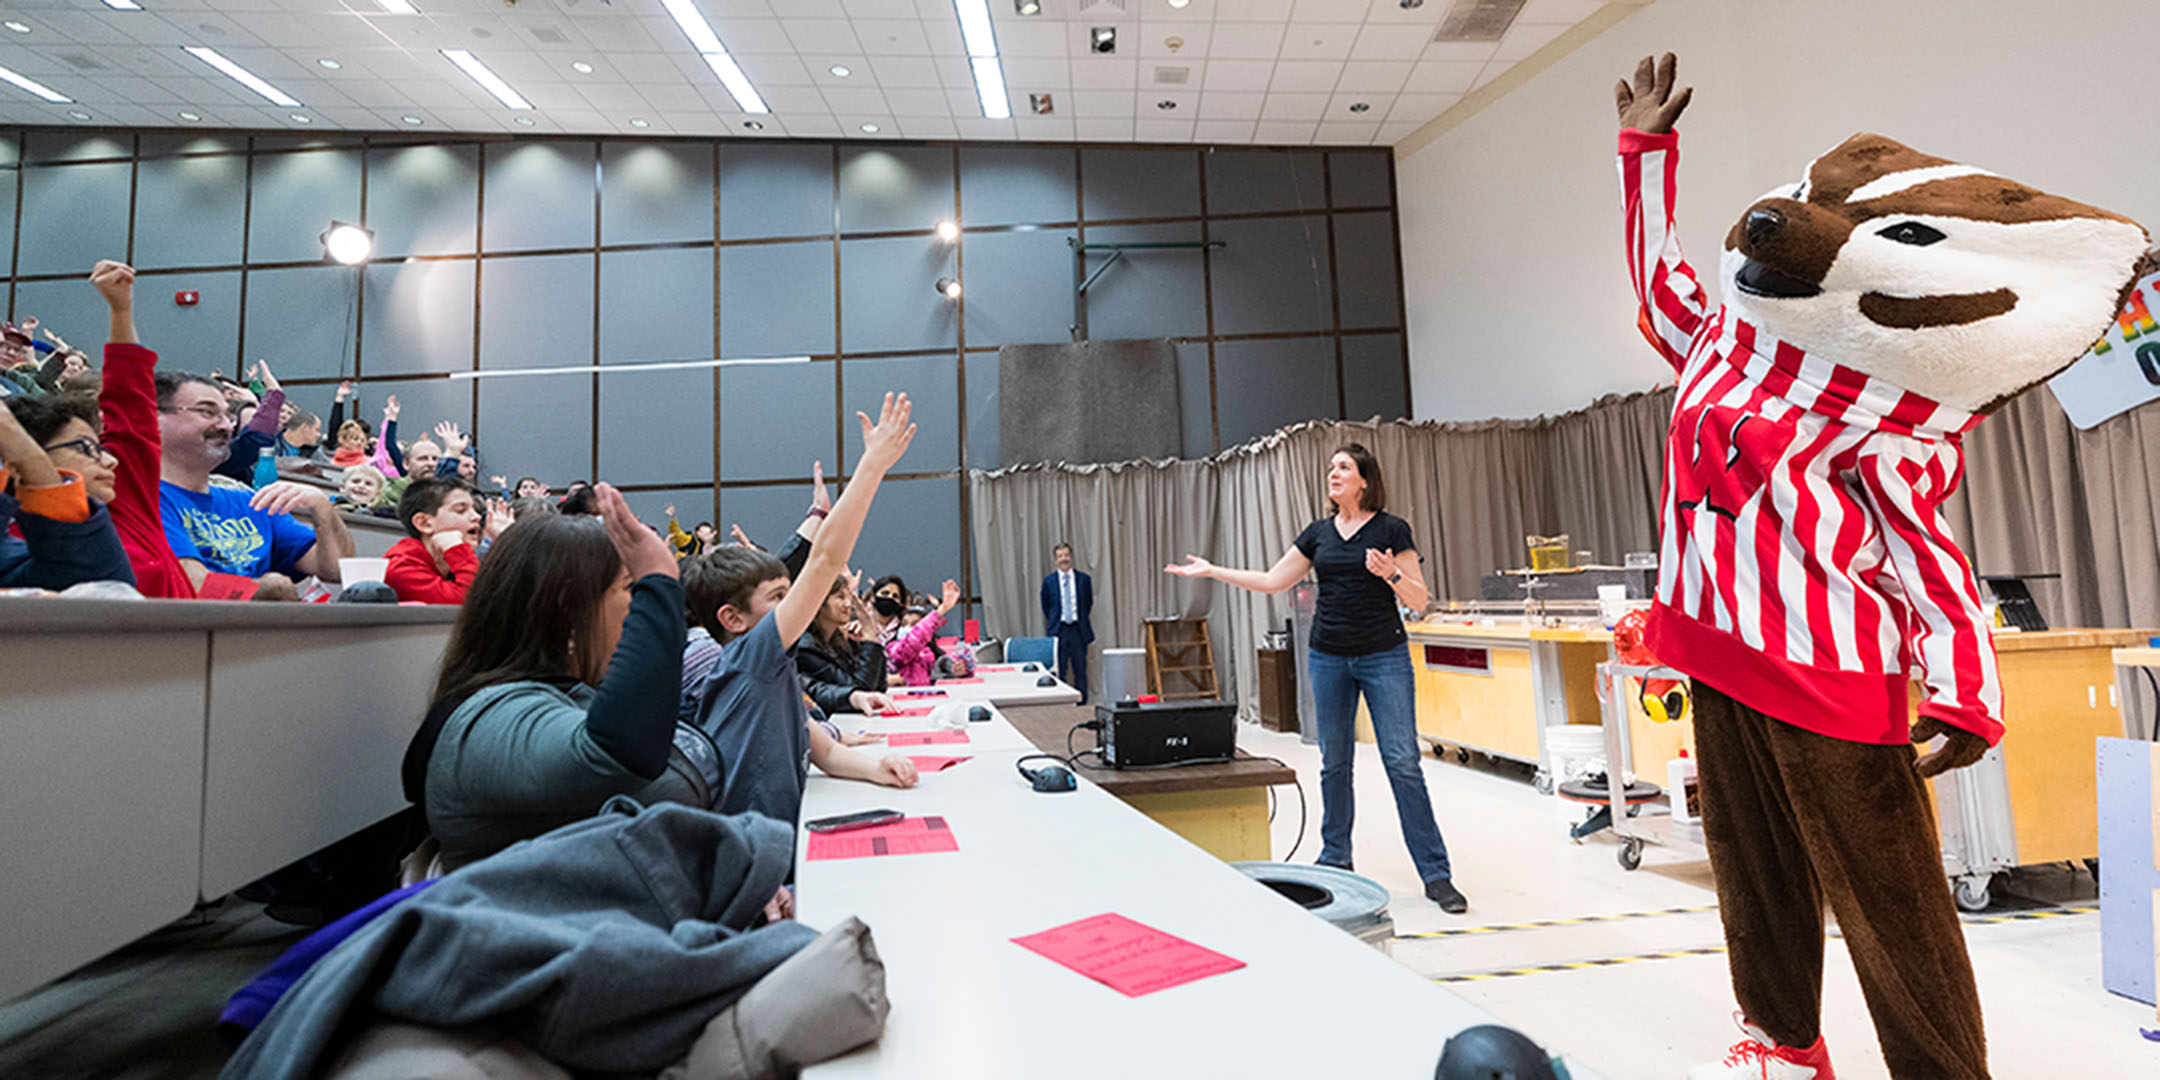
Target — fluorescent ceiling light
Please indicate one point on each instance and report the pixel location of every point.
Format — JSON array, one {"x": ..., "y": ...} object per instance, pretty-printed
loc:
[
  {"x": 990, "y": 87},
  {"x": 398, "y": 7},
  {"x": 693, "y": 24},
  {"x": 123, "y": 5},
  {"x": 242, "y": 76},
  {"x": 35, "y": 87},
  {"x": 975, "y": 26},
  {"x": 488, "y": 80}
]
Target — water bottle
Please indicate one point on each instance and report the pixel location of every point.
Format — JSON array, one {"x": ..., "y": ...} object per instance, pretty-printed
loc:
[{"x": 265, "y": 468}]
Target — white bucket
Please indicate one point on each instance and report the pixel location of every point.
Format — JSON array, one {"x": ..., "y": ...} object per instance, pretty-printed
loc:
[{"x": 1571, "y": 751}]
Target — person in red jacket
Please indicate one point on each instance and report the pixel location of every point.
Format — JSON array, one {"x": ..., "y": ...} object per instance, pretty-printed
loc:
[
  {"x": 129, "y": 404},
  {"x": 444, "y": 522}
]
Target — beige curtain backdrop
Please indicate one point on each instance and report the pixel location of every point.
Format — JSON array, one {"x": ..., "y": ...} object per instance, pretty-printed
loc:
[{"x": 2039, "y": 497}]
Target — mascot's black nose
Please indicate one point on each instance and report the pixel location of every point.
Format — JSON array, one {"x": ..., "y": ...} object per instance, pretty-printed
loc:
[{"x": 1763, "y": 223}]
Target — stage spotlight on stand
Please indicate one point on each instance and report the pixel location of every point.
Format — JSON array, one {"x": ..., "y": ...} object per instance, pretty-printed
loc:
[
  {"x": 947, "y": 231},
  {"x": 348, "y": 244},
  {"x": 948, "y": 288}
]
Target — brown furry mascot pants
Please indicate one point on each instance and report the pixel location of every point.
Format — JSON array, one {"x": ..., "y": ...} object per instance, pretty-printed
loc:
[{"x": 1793, "y": 819}]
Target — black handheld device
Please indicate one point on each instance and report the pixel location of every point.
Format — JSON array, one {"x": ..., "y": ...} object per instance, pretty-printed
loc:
[{"x": 862, "y": 819}]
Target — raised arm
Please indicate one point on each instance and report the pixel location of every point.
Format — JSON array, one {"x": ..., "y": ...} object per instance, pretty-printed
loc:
[
  {"x": 883, "y": 443},
  {"x": 1671, "y": 305},
  {"x": 633, "y": 715},
  {"x": 1287, "y": 571}
]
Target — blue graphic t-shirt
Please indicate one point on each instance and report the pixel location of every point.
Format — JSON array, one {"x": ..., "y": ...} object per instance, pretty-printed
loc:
[{"x": 219, "y": 528}]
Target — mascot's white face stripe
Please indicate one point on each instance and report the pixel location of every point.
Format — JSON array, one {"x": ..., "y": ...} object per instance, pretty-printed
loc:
[{"x": 1911, "y": 178}]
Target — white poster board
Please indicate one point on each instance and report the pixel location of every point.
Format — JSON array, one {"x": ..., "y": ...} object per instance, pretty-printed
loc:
[{"x": 2122, "y": 370}]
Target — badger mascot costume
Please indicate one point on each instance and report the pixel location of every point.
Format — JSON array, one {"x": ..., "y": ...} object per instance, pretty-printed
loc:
[{"x": 1873, "y": 312}]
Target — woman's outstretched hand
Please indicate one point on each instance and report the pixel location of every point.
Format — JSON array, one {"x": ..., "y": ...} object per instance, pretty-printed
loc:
[{"x": 1193, "y": 567}]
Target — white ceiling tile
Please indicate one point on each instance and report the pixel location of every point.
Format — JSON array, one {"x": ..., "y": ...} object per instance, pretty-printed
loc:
[
  {"x": 1306, "y": 76},
  {"x": 374, "y": 93},
  {"x": 48, "y": 28},
  {"x": 1319, "y": 41},
  {"x": 1036, "y": 72},
  {"x": 1424, "y": 19},
  {"x": 1418, "y": 108},
  {"x": 1226, "y": 131},
  {"x": 1245, "y": 41},
  {"x": 771, "y": 69},
  {"x": 851, "y": 125},
  {"x": 1390, "y": 134},
  {"x": 613, "y": 97},
  {"x": 905, "y": 71},
  {"x": 1238, "y": 74},
  {"x": 1443, "y": 76},
  {"x": 1104, "y": 72},
  {"x": 1524, "y": 40},
  {"x": 976, "y": 127},
  {"x": 1040, "y": 38},
  {"x": 1103, "y": 128},
  {"x": 892, "y": 37},
  {"x": 806, "y": 126},
  {"x": 928, "y": 127},
  {"x": 457, "y": 119},
  {"x": 822, "y": 35},
  {"x": 1153, "y": 130},
  {"x": 962, "y": 102},
  {"x": 792, "y": 99},
  {"x": 1333, "y": 10},
  {"x": 868, "y": 100},
  {"x": 1567, "y": 12},
  {"x": 1195, "y": 11},
  {"x": 1459, "y": 50},
  {"x": 945, "y": 38},
  {"x": 1376, "y": 76},
  {"x": 677, "y": 98},
  {"x": 1154, "y": 39},
  {"x": 343, "y": 118},
  {"x": 734, "y": 8},
  {"x": 914, "y": 102},
  {"x": 1387, "y": 43},
  {"x": 1253, "y": 10},
  {"x": 1341, "y": 108},
  {"x": 954, "y": 70},
  {"x": 1346, "y": 134},
  {"x": 1231, "y": 106},
  {"x": 1089, "y": 104},
  {"x": 859, "y": 10},
  {"x": 628, "y": 35},
  {"x": 1294, "y": 106},
  {"x": 1284, "y": 132},
  {"x": 741, "y": 36},
  {"x": 1185, "y": 103},
  {"x": 1044, "y": 128},
  {"x": 1493, "y": 70},
  {"x": 285, "y": 31}
]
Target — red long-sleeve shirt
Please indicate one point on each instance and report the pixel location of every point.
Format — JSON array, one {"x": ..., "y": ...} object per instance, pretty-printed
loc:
[
  {"x": 129, "y": 404},
  {"x": 413, "y": 574},
  {"x": 1806, "y": 566}
]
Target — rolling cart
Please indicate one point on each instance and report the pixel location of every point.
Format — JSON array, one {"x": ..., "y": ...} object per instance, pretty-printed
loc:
[{"x": 1620, "y": 805}]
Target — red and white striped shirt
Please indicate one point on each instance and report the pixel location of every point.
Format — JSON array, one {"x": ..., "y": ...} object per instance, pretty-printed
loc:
[{"x": 1806, "y": 567}]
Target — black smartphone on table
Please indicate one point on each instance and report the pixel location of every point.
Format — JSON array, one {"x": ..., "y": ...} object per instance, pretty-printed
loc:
[{"x": 862, "y": 819}]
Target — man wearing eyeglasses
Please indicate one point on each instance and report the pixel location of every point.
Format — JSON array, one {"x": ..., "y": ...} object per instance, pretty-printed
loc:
[{"x": 259, "y": 535}]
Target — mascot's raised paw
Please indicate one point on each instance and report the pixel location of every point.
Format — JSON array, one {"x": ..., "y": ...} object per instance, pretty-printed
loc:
[
  {"x": 1960, "y": 748},
  {"x": 1650, "y": 106}
]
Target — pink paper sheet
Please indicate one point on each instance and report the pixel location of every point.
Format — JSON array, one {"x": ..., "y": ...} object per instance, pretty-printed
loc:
[
  {"x": 908, "y": 836},
  {"x": 925, "y": 738},
  {"x": 1129, "y": 957},
  {"x": 934, "y": 763}
]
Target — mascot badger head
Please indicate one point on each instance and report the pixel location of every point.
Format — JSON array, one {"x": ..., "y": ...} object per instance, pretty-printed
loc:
[{"x": 1936, "y": 277}]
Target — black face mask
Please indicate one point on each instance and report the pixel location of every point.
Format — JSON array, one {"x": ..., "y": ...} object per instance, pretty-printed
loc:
[{"x": 886, "y": 605}]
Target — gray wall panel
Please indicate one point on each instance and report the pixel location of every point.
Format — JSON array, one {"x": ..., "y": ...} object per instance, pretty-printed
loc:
[
  {"x": 538, "y": 195},
  {"x": 913, "y": 531},
  {"x": 162, "y": 144},
  {"x": 72, "y": 308},
  {"x": 204, "y": 337},
  {"x": 419, "y": 318},
  {"x": 1159, "y": 293},
  {"x": 656, "y": 305},
  {"x": 656, "y": 427},
  {"x": 1140, "y": 183},
  {"x": 295, "y": 197},
  {"x": 888, "y": 295},
  {"x": 775, "y": 420},
  {"x": 189, "y": 211},
  {"x": 301, "y": 319},
  {"x": 776, "y": 300},
  {"x": 1016, "y": 186},
  {"x": 1018, "y": 287},
  {"x": 768, "y": 514},
  {"x": 655, "y": 192},
  {"x": 982, "y": 410},
  {"x": 932, "y": 384},
  {"x": 49, "y": 146},
  {"x": 1373, "y": 383},
  {"x": 536, "y": 311},
  {"x": 1365, "y": 270},
  {"x": 423, "y": 403},
  {"x": 892, "y": 188},
  {"x": 1260, "y": 181},
  {"x": 424, "y": 200},
  {"x": 536, "y": 424},
  {"x": 10, "y": 183},
  {"x": 775, "y": 191},
  {"x": 1361, "y": 179},
  {"x": 693, "y": 504},
  {"x": 1263, "y": 385},
  {"x": 1271, "y": 275},
  {"x": 1194, "y": 400},
  {"x": 72, "y": 216}
]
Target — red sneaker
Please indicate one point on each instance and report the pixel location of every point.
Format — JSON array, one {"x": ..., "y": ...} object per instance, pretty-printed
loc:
[{"x": 1759, "y": 1057}]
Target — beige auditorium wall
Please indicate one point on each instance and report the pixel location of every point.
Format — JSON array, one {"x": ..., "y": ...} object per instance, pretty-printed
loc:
[{"x": 1516, "y": 292}]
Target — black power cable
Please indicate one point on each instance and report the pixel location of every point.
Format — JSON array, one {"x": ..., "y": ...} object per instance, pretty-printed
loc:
[{"x": 1072, "y": 759}]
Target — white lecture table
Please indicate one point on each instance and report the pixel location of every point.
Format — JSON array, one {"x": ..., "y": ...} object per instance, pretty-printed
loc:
[{"x": 966, "y": 1001}]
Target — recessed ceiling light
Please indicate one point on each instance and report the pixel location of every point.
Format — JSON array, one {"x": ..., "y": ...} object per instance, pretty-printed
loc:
[
  {"x": 640, "y": 122},
  {"x": 1166, "y": 105},
  {"x": 78, "y": 114},
  {"x": 707, "y": 43},
  {"x": 413, "y": 120},
  {"x": 981, "y": 38},
  {"x": 301, "y": 118},
  {"x": 16, "y": 26},
  {"x": 525, "y": 121},
  {"x": 330, "y": 64},
  {"x": 840, "y": 70},
  {"x": 488, "y": 80},
  {"x": 190, "y": 117},
  {"x": 1027, "y": 7},
  {"x": 35, "y": 87},
  {"x": 242, "y": 76},
  {"x": 870, "y": 129},
  {"x": 753, "y": 125},
  {"x": 398, "y": 7},
  {"x": 123, "y": 5},
  {"x": 1179, "y": 3},
  {"x": 581, "y": 67},
  {"x": 1359, "y": 106}
]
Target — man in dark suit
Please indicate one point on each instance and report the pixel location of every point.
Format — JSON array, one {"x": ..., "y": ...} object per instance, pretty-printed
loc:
[{"x": 1067, "y": 597}]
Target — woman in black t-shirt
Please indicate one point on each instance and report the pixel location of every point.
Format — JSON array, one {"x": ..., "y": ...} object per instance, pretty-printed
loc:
[{"x": 1367, "y": 564}]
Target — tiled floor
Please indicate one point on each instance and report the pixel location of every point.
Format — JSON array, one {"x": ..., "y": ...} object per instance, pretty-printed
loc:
[{"x": 1654, "y": 1019}]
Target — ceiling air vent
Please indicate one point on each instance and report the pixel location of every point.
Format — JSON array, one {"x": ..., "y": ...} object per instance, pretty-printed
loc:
[
  {"x": 1478, "y": 20},
  {"x": 1172, "y": 76},
  {"x": 82, "y": 62},
  {"x": 548, "y": 35},
  {"x": 1087, "y": 6}
]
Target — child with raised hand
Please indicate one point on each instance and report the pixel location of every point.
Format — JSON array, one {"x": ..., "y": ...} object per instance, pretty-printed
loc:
[
  {"x": 444, "y": 525},
  {"x": 752, "y": 705}
]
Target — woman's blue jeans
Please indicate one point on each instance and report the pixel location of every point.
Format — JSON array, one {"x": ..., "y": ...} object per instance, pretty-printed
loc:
[{"x": 1390, "y": 698}]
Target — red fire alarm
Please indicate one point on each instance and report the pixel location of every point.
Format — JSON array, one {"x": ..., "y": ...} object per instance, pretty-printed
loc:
[{"x": 186, "y": 298}]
